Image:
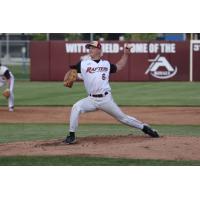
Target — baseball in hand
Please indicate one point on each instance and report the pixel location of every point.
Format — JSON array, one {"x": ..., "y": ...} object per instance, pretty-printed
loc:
[{"x": 128, "y": 46}]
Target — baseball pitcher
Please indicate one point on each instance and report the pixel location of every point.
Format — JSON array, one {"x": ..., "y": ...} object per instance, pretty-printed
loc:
[
  {"x": 6, "y": 77},
  {"x": 95, "y": 73}
]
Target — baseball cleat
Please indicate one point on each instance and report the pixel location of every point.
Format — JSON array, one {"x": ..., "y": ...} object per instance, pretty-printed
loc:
[
  {"x": 11, "y": 109},
  {"x": 70, "y": 139},
  {"x": 149, "y": 131}
]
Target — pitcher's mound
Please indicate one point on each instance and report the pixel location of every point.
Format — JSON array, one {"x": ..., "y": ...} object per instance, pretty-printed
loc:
[{"x": 136, "y": 147}]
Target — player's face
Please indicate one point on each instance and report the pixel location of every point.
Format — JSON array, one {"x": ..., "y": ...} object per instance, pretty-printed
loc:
[{"x": 94, "y": 52}]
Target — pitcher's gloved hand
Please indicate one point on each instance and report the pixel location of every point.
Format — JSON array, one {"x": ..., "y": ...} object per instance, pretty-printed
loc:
[{"x": 70, "y": 77}]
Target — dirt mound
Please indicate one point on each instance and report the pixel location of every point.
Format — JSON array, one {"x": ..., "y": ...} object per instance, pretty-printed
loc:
[{"x": 137, "y": 147}]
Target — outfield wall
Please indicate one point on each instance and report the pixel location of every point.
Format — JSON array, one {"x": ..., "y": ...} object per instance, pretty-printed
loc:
[
  {"x": 195, "y": 60},
  {"x": 148, "y": 61}
]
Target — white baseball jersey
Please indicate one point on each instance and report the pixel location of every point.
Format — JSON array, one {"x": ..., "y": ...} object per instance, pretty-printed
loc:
[
  {"x": 95, "y": 74},
  {"x": 6, "y": 74},
  {"x": 3, "y": 69}
]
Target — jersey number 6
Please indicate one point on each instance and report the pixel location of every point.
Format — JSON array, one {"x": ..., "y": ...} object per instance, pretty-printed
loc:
[{"x": 103, "y": 76}]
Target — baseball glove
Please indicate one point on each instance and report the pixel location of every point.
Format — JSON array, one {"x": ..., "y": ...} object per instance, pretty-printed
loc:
[
  {"x": 6, "y": 93},
  {"x": 70, "y": 77}
]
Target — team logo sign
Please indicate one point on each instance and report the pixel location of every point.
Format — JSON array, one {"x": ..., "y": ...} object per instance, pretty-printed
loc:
[{"x": 161, "y": 68}]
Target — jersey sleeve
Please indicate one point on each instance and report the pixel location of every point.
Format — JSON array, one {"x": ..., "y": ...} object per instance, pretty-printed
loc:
[
  {"x": 77, "y": 67},
  {"x": 113, "y": 68},
  {"x": 7, "y": 74}
]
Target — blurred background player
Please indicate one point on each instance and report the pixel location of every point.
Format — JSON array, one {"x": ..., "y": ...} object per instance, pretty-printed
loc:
[{"x": 6, "y": 77}]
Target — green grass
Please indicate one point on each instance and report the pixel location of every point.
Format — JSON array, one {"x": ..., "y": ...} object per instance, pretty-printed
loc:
[
  {"x": 20, "y": 72},
  {"x": 27, "y": 132},
  {"x": 157, "y": 93},
  {"x": 131, "y": 94},
  {"x": 88, "y": 161},
  {"x": 44, "y": 94}
]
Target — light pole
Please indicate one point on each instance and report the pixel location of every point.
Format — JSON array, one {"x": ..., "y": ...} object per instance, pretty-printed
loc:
[
  {"x": 91, "y": 36},
  {"x": 0, "y": 50},
  {"x": 47, "y": 35},
  {"x": 7, "y": 46},
  {"x": 23, "y": 50}
]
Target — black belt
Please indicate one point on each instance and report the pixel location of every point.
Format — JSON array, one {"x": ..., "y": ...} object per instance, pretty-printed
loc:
[{"x": 99, "y": 95}]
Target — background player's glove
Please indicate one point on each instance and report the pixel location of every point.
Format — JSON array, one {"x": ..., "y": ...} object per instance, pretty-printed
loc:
[
  {"x": 70, "y": 77},
  {"x": 6, "y": 93}
]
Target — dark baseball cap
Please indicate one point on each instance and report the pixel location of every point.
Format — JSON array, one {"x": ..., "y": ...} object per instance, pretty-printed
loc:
[{"x": 96, "y": 44}]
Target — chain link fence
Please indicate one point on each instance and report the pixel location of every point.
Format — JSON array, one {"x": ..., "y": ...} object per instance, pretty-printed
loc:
[
  {"x": 15, "y": 55},
  {"x": 14, "y": 52}
]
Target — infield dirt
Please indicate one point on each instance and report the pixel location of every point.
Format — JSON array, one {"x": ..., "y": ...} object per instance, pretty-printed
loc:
[{"x": 137, "y": 147}]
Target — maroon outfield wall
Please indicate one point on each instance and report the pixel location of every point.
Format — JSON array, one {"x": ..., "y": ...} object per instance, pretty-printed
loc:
[
  {"x": 196, "y": 61},
  {"x": 40, "y": 66},
  {"x": 156, "y": 61}
]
